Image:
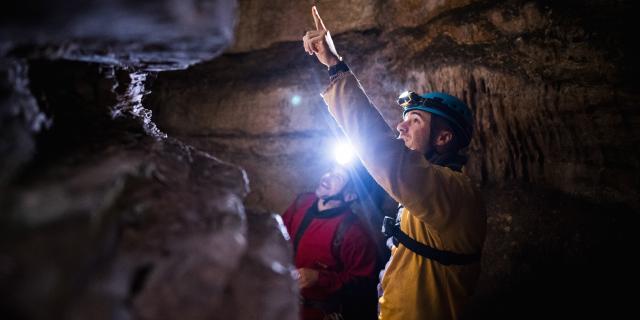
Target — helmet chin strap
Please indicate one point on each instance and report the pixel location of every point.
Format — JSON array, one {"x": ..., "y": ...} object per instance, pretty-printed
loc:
[
  {"x": 452, "y": 160},
  {"x": 337, "y": 196}
]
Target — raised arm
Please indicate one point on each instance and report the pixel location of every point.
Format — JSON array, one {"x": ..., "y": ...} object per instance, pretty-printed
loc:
[{"x": 405, "y": 174}]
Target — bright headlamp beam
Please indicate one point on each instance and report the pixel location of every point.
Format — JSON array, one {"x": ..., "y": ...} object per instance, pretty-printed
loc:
[{"x": 343, "y": 153}]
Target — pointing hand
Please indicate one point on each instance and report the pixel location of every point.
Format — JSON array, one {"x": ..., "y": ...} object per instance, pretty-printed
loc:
[{"x": 319, "y": 42}]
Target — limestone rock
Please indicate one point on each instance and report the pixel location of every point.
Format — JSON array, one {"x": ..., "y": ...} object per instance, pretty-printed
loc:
[
  {"x": 149, "y": 35},
  {"x": 112, "y": 221}
]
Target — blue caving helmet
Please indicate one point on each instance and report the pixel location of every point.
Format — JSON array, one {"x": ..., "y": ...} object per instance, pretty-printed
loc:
[{"x": 444, "y": 105}]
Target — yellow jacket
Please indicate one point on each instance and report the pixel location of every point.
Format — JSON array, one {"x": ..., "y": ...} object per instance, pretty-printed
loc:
[{"x": 442, "y": 209}]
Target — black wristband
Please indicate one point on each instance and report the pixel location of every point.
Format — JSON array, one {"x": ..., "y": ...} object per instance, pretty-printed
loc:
[{"x": 337, "y": 68}]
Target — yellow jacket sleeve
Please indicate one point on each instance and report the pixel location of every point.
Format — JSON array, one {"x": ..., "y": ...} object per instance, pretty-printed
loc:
[{"x": 423, "y": 188}]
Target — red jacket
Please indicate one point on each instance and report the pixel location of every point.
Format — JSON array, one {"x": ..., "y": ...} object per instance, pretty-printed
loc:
[{"x": 357, "y": 252}]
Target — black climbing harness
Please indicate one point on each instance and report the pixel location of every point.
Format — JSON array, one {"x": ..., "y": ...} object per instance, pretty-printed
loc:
[{"x": 392, "y": 229}]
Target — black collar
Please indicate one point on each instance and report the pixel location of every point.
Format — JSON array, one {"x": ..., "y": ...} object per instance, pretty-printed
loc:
[
  {"x": 326, "y": 214},
  {"x": 451, "y": 160}
]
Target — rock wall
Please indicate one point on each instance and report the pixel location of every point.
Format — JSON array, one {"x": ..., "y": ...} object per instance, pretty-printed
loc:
[
  {"x": 145, "y": 34},
  {"x": 102, "y": 214},
  {"x": 114, "y": 205},
  {"x": 111, "y": 219}
]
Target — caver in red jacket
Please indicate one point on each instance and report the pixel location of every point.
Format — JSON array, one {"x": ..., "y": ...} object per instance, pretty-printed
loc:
[{"x": 354, "y": 262}]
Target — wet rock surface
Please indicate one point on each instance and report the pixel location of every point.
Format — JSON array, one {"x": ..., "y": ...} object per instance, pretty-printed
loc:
[
  {"x": 262, "y": 286},
  {"x": 149, "y": 35},
  {"x": 109, "y": 221},
  {"x": 103, "y": 215}
]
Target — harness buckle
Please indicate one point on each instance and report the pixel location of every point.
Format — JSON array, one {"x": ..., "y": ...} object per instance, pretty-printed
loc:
[{"x": 389, "y": 227}]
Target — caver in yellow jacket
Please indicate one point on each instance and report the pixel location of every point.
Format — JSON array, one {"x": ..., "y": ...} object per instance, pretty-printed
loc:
[{"x": 442, "y": 209}]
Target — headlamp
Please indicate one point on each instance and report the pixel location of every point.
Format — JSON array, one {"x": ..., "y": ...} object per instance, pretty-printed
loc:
[{"x": 410, "y": 98}]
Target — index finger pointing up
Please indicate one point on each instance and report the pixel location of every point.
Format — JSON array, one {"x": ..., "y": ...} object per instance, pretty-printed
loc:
[{"x": 317, "y": 19}]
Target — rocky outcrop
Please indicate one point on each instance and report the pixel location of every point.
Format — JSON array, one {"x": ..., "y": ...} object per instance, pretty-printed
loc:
[
  {"x": 105, "y": 217},
  {"x": 149, "y": 35},
  {"x": 20, "y": 117}
]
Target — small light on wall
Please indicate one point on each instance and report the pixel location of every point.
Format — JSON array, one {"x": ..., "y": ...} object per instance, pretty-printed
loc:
[{"x": 295, "y": 100}]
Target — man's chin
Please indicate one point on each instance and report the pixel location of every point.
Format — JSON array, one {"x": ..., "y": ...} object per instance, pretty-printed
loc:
[{"x": 406, "y": 142}]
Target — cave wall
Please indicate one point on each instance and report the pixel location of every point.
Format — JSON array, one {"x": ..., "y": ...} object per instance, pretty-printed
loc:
[
  {"x": 146, "y": 34},
  {"x": 102, "y": 214},
  {"x": 112, "y": 219},
  {"x": 130, "y": 159}
]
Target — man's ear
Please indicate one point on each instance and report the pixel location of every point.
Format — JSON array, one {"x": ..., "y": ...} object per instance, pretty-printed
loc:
[
  {"x": 443, "y": 138},
  {"x": 350, "y": 196}
]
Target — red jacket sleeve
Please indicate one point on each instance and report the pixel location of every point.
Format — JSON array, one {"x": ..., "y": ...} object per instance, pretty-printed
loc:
[{"x": 358, "y": 255}]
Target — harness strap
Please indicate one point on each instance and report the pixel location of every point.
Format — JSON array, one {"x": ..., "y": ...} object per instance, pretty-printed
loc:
[
  {"x": 306, "y": 220},
  {"x": 338, "y": 236},
  {"x": 391, "y": 229}
]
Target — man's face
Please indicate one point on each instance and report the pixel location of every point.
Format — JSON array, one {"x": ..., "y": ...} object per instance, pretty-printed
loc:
[
  {"x": 332, "y": 182},
  {"x": 414, "y": 130}
]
